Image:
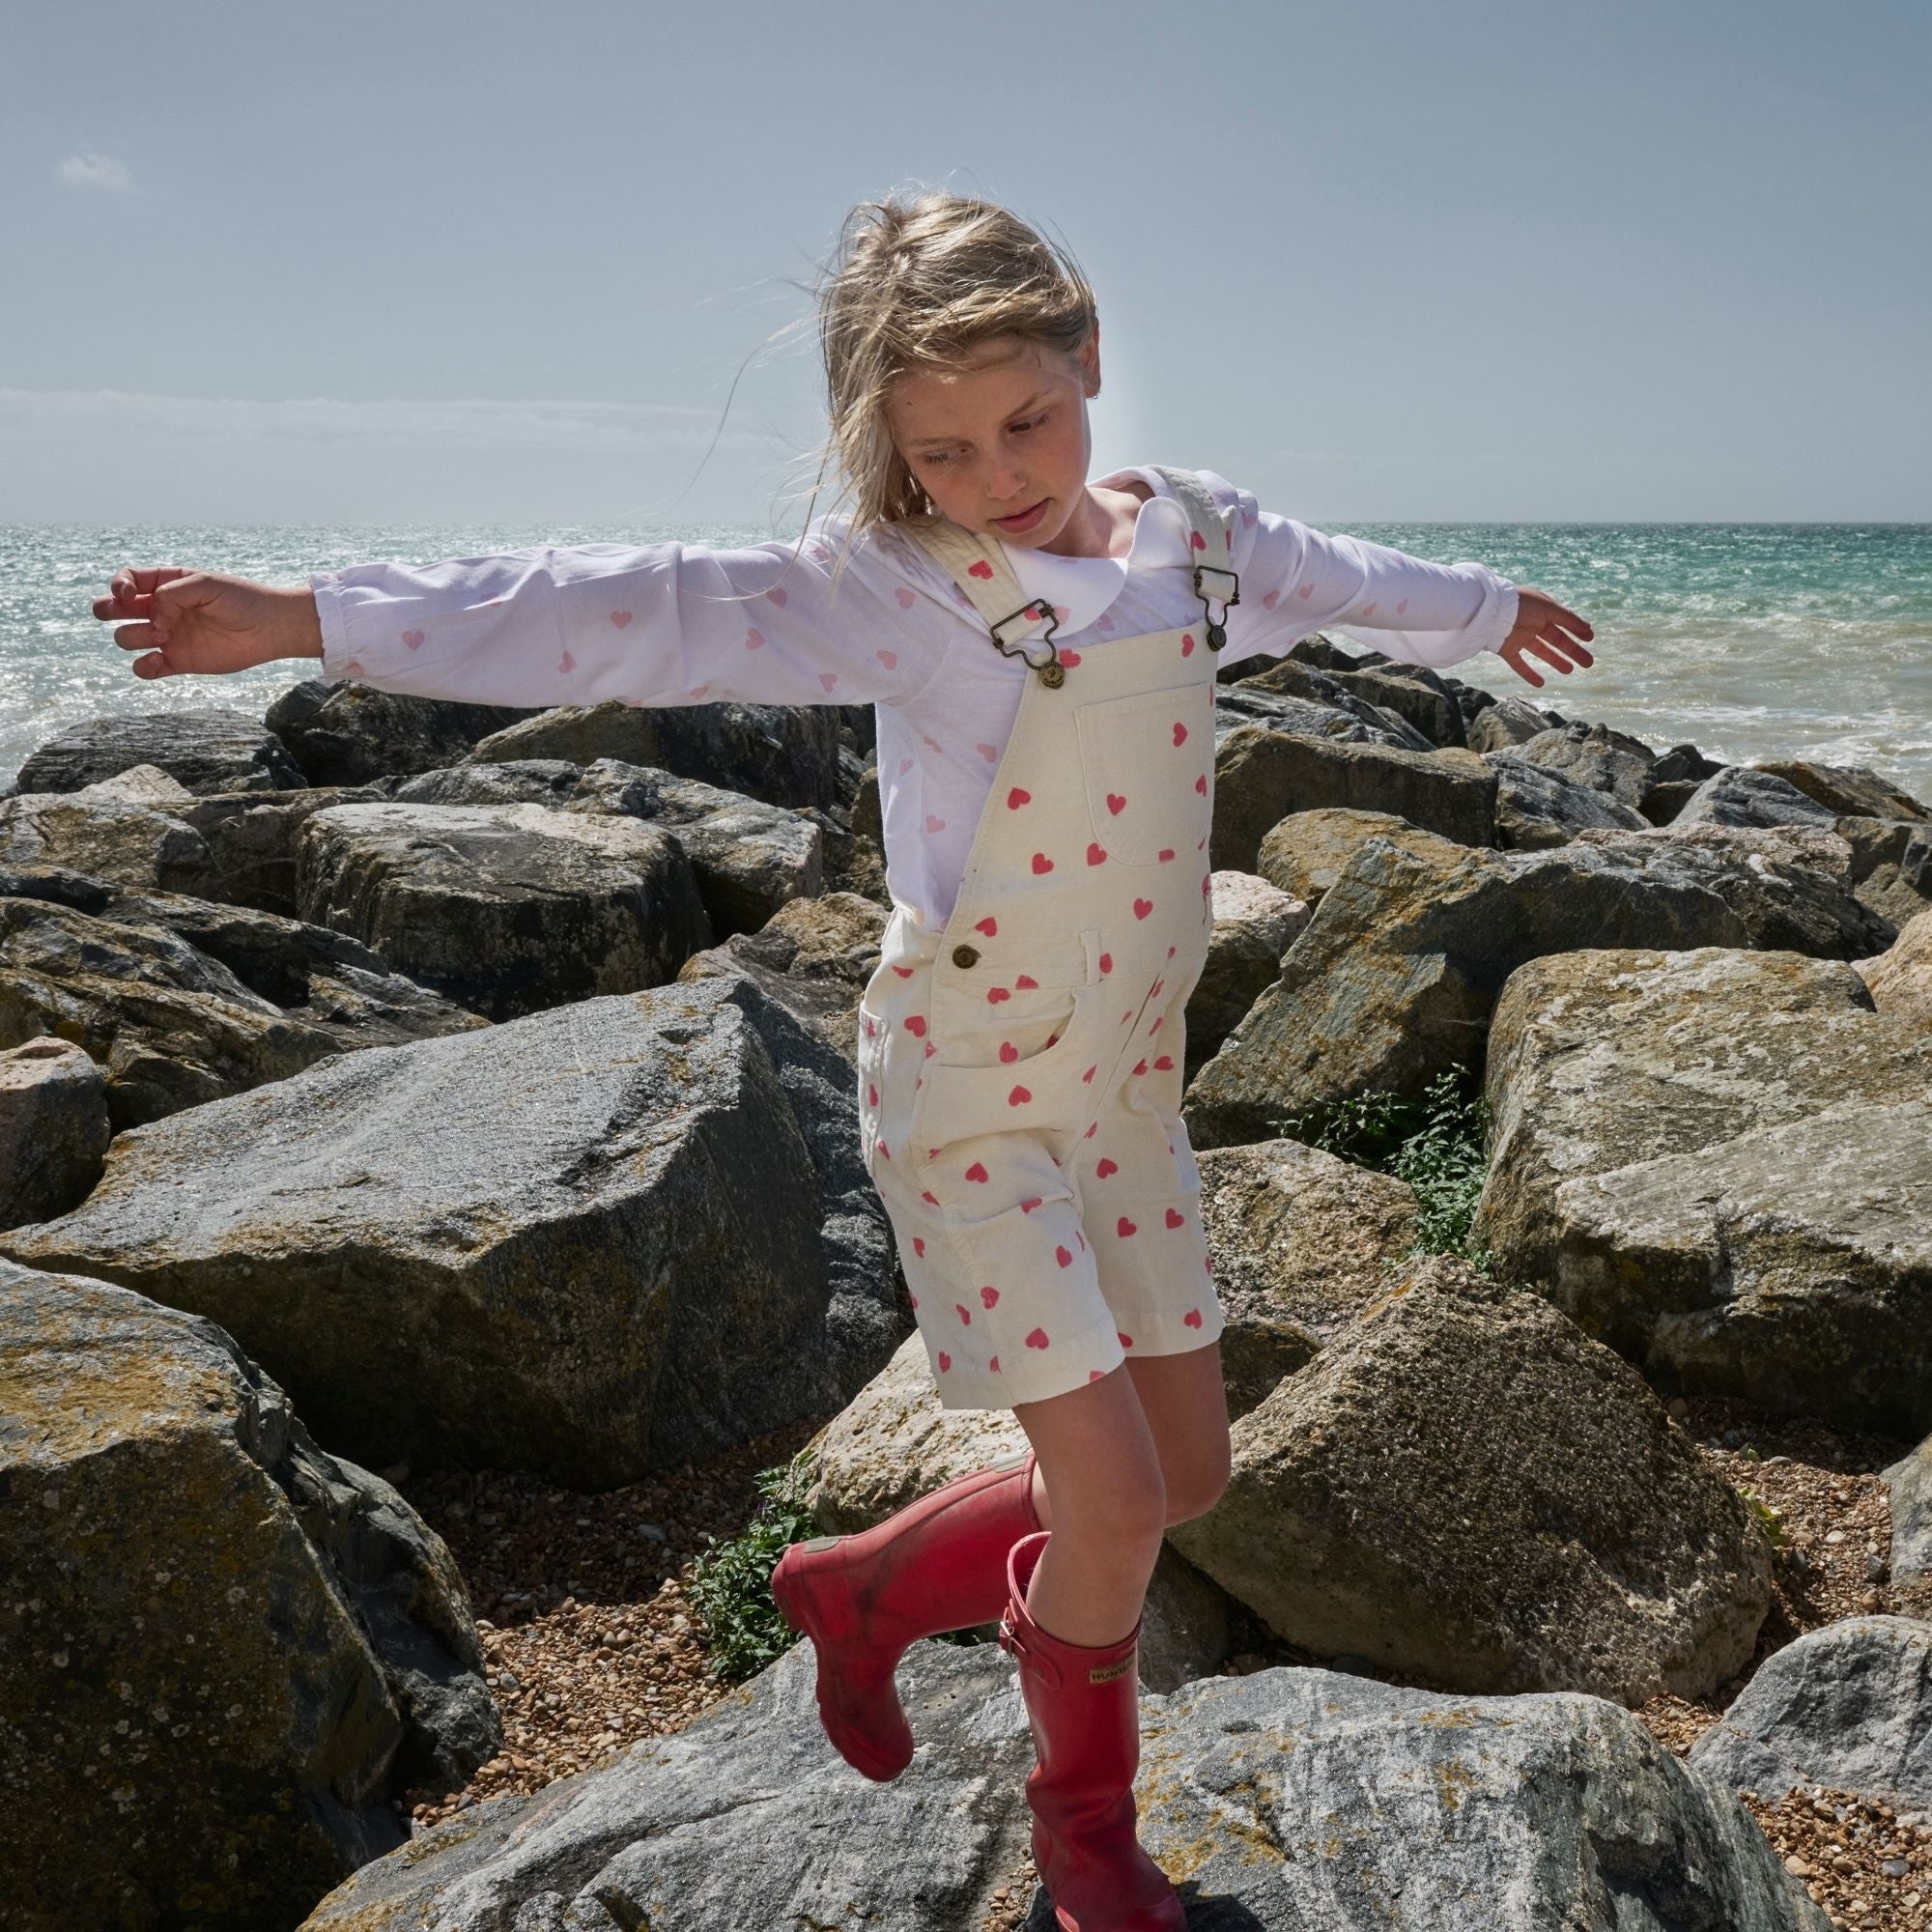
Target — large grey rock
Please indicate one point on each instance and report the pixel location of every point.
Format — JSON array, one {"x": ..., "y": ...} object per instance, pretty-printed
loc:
[
  {"x": 352, "y": 734},
  {"x": 1416, "y": 693},
  {"x": 1790, "y": 885},
  {"x": 1909, "y": 1483},
  {"x": 1465, "y": 1488},
  {"x": 1306, "y": 852},
  {"x": 1302, "y": 1243},
  {"x": 505, "y": 909},
  {"x": 1262, "y": 776},
  {"x": 749, "y": 858},
  {"x": 1850, "y": 790},
  {"x": 53, "y": 1128},
  {"x": 1288, "y": 678},
  {"x": 1392, "y": 983},
  {"x": 1717, "y": 1161},
  {"x": 1612, "y": 763},
  {"x": 1538, "y": 805},
  {"x": 894, "y": 1443},
  {"x": 170, "y": 1026},
  {"x": 121, "y": 840},
  {"x": 1506, "y": 722},
  {"x": 814, "y": 958},
  {"x": 592, "y": 1244},
  {"x": 1900, "y": 977},
  {"x": 1891, "y": 864},
  {"x": 1848, "y": 1707},
  {"x": 1739, "y": 795},
  {"x": 783, "y": 754},
  {"x": 1248, "y": 703},
  {"x": 1255, "y": 923},
  {"x": 1289, "y": 1801},
  {"x": 209, "y": 749},
  {"x": 250, "y": 839},
  {"x": 221, "y": 1649}
]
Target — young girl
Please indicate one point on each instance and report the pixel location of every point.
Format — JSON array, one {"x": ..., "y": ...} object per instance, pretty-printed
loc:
[{"x": 1041, "y": 651}]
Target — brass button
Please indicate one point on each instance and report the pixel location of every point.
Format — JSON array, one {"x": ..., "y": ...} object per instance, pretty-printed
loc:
[{"x": 965, "y": 955}]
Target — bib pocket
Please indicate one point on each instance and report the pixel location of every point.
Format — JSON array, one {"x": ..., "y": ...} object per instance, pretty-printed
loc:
[{"x": 1147, "y": 764}]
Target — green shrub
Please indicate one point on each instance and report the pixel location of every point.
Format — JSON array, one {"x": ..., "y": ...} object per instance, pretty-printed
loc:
[
  {"x": 731, "y": 1582},
  {"x": 1435, "y": 1142}
]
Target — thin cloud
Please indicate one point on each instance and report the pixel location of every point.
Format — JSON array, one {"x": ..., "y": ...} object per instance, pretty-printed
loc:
[
  {"x": 87, "y": 169},
  {"x": 503, "y": 424}
]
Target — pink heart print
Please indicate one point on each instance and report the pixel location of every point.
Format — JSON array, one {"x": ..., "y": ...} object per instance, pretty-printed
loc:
[
  {"x": 1127, "y": 1341},
  {"x": 1116, "y": 803},
  {"x": 1401, "y": 606},
  {"x": 890, "y": 659},
  {"x": 621, "y": 618},
  {"x": 1096, "y": 853},
  {"x": 1269, "y": 600},
  {"x": 1179, "y": 733},
  {"x": 945, "y": 1361},
  {"x": 960, "y": 1309},
  {"x": 906, "y": 598},
  {"x": 755, "y": 638},
  {"x": 1037, "y": 1339},
  {"x": 566, "y": 662},
  {"x": 1018, "y": 797},
  {"x": 413, "y": 639},
  {"x": 1198, "y": 541},
  {"x": 1141, "y": 907},
  {"x": 990, "y": 752},
  {"x": 827, "y": 678},
  {"x": 981, "y": 569},
  {"x": 977, "y": 1172},
  {"x": 988, "y": 925},
  {"x": 1042, "y": 862},
  {"x": 1124, "y": 1228},
  {"x": 1104, "y": 1167},
  {"x": 1018, "y": 1098},
  {"x": 1192, "y": 1318},
  {"x": 777, "y": 597},
  {"x": 934, "y": 824},
  {"x": 1187, "y": 644},
  {"x": 1176, "y": 1219},
  {"x": 988, "y": 1297},
  {"x": 1064, "y": 1256}
]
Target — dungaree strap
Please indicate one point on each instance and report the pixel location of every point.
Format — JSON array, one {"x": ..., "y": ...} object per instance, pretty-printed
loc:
[
  {"x": 980, "y": 570},
  {"x": 1212, "y": 547}
]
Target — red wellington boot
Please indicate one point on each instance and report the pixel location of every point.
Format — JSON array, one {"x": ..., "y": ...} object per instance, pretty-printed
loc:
[
  {"x": 939, "y": 1564},
  {"x": 1082, "y": 1703}
]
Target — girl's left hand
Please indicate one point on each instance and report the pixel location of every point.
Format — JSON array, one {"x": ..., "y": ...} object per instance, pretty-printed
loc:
[{"x": 1541, "y": 629}]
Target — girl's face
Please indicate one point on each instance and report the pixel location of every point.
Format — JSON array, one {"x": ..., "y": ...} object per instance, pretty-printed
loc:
[{"x": 1001, "y": 444}]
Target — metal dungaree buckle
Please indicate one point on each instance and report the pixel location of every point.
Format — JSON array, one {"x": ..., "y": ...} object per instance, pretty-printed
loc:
[
  {"x": 1052, "y": 672},
  {"x": 1217, "y": 634}
]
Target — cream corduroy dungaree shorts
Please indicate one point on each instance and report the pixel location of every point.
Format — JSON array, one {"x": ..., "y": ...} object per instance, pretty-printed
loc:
[{"x": 1020, "y": 1072}]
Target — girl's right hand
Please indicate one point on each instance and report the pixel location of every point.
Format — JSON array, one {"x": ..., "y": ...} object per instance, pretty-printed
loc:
[{"x": 201, "y": 622}]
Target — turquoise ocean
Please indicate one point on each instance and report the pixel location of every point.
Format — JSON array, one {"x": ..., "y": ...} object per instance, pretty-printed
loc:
[{"x": 1751, "y": 640}]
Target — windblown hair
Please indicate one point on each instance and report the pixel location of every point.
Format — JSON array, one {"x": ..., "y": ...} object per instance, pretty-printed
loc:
[{"x": 921, "y": 285}]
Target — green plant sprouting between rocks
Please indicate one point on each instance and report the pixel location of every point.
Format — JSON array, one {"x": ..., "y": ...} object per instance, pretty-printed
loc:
[
  {"x": 731, "y": 1581},
  {"x": 1436, "y": 1143}
]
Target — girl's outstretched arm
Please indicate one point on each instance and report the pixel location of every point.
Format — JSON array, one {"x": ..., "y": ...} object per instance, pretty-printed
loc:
[
  {"x": 654, "y": 624},
  {"x": 1297, "y": 580}
]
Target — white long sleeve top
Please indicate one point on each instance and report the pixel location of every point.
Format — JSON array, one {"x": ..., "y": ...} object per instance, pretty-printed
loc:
[{"x": 674, "y": 623}]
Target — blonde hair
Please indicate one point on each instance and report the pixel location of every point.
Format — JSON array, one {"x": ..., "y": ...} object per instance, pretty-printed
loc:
[{"x": 922, "y": 284}]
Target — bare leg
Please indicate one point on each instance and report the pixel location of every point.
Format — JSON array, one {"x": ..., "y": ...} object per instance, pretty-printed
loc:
[
  {"x": 1089, "y": 1445},
  {"x": 1096, "y": 1457}
]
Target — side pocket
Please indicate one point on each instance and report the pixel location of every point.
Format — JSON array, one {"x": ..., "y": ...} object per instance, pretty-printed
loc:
[{"x": 871, "y": 1062}]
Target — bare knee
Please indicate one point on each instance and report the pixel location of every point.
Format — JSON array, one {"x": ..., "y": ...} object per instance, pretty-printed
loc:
[{"x": 1197, "y": 1493}]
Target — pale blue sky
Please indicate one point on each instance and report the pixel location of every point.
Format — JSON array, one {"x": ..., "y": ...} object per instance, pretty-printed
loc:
[{"x": 1381, "y": 259}]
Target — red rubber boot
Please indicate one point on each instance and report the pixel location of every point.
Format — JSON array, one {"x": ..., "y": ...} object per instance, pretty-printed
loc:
[
  {"x": 939, "y": 1564},
  {"x": 1082, "y": 1703}
]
